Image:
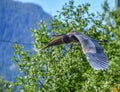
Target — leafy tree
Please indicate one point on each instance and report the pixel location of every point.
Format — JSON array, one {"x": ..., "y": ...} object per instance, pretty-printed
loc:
[
  {"x": 4, "y": 85},
  {"x": 65, "y": 69}
]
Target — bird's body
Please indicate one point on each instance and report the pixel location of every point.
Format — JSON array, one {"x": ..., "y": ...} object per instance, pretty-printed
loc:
[
  {"x": 62, "y": 39},
  {"x": 93, "y": 51}
]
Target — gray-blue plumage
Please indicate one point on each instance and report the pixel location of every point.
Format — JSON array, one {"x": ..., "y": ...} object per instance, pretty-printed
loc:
[{"x": 93, "y": 51}]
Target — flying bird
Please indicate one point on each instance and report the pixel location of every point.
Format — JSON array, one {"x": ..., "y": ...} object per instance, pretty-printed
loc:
[{"x": 91, "y": 48}]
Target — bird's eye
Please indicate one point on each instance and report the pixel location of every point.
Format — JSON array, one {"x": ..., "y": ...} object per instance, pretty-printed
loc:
[
  {"x": 74, "y": 38},
  {"x": 66, "y": 39}
]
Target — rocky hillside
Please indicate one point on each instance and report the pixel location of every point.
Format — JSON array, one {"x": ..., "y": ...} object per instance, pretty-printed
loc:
[{"x": 16, "y": 19}]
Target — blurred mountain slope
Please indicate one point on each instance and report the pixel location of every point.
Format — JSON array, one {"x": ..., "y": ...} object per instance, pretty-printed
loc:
[{"x": 16, "y": 19}]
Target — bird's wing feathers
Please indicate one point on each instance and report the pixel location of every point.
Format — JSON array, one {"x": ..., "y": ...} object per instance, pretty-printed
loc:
[
  {"x": 93, "y": 51},
  {"x": 87, "y": 44},
  {"x": 97, "y": 61}
]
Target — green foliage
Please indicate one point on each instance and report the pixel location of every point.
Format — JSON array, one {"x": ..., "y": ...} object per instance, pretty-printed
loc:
[
  {"x": 4, "y": 86},
  {"x": 60, "y": 69}
]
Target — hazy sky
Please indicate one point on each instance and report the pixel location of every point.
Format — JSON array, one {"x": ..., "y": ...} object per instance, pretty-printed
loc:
[{"x": 51, "y": 6}]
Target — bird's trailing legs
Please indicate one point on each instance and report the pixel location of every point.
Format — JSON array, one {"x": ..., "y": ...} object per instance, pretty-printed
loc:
[
  {"x": 57, "y": 35},
  {"x": 102, "y": 41}
]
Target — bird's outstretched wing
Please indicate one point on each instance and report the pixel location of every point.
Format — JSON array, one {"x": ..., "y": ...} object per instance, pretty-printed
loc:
[{"x": 93, "y": 51}]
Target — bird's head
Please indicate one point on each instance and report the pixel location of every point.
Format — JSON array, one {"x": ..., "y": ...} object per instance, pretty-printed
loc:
[{"x": 72, "y": 36}]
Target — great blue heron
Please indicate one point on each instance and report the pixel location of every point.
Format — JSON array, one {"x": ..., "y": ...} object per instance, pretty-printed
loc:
[{"x": 93, "y": 51}]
